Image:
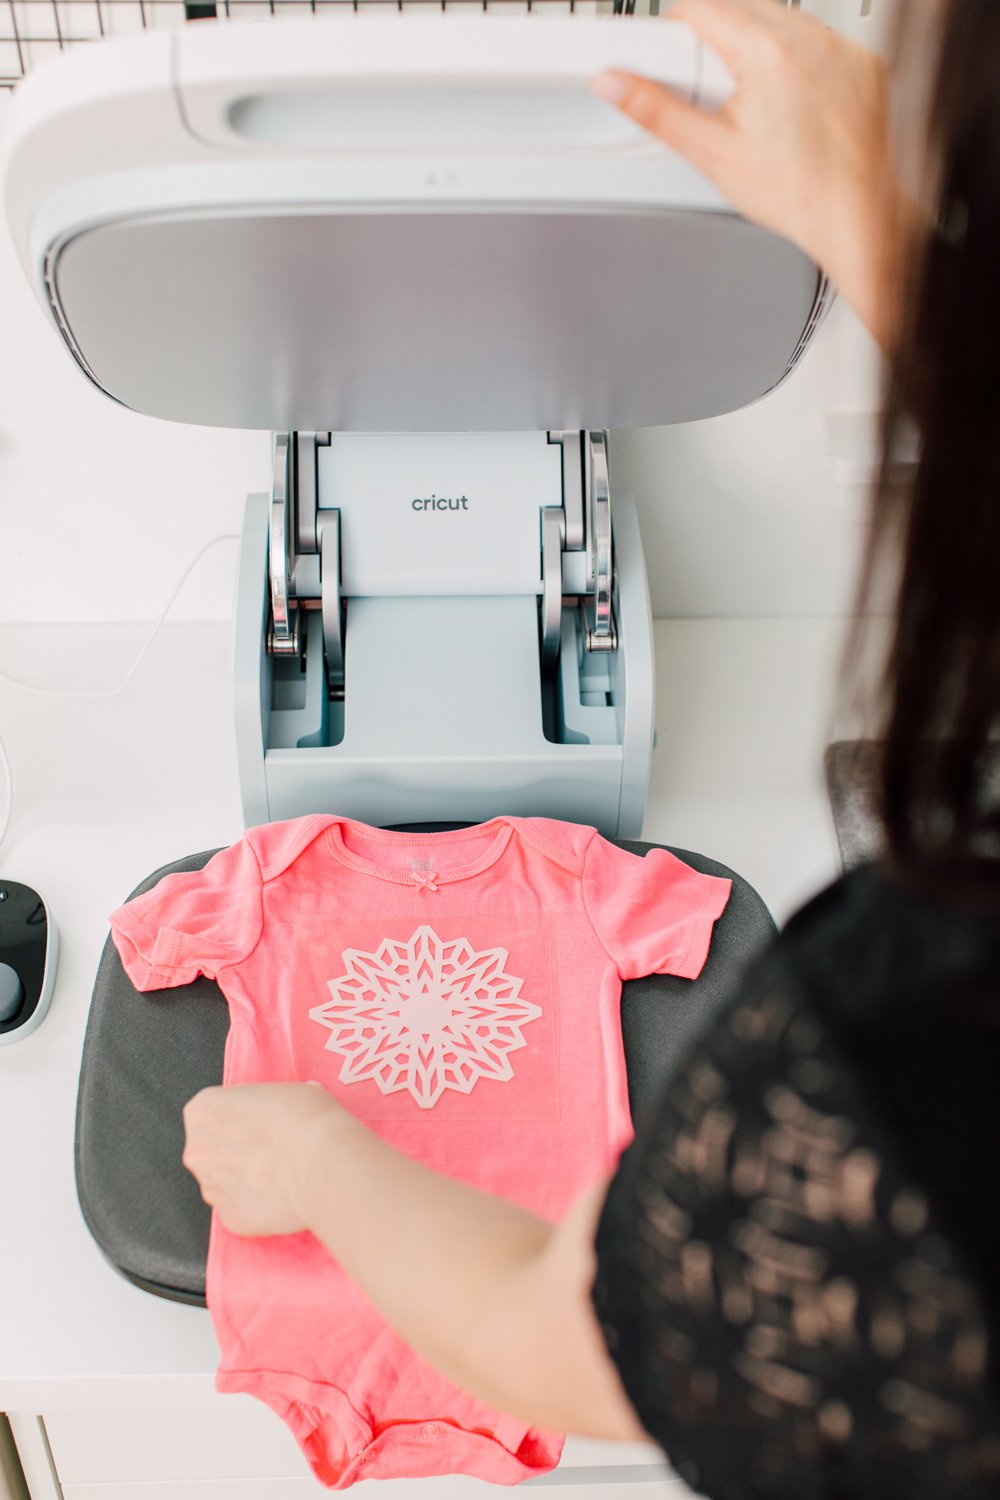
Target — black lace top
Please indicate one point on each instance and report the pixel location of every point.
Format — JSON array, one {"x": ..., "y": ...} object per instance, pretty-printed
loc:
[{"x": 797, "y": 1260}]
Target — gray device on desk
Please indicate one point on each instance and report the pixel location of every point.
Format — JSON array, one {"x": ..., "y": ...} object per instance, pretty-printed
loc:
[
  {"x": 29, "y": 954},
  {"x": 419, "y": 251}
]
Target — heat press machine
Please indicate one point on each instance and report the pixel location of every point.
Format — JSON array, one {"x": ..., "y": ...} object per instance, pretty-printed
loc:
[{"x": 420, "y": 251}]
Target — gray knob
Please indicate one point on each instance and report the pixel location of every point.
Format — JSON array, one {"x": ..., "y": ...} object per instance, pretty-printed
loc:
[{"x": 11, "y": 993}]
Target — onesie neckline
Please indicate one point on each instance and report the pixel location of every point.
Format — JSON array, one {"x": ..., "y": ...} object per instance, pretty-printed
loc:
[{"x": 398, "y": 876}]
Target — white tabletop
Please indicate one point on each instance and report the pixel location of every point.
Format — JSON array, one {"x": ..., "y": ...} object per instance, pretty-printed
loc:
[
  {"x": 105, "y": 792},
  {"x": 108, "y": 790}
]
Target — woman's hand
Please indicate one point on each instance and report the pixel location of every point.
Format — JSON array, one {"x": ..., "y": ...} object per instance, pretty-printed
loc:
[
  {"x": 495, "y": 1298},
  {"x": 802, "y": 147},
  {"x": 251, "y": 1147}
]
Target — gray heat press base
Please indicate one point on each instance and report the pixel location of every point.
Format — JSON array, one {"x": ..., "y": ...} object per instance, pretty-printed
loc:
[{"x": 144, "y": 1056}]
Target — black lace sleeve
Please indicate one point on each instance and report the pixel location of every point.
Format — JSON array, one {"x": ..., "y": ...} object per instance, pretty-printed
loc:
[{"x": 786, "y": 1314}]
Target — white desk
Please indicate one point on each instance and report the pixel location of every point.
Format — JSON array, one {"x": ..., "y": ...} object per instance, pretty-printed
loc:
[{"x": 115, "y": 1384}]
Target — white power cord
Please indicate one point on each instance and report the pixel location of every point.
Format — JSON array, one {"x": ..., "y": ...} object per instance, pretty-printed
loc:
[{"x": 39, "y": 692}]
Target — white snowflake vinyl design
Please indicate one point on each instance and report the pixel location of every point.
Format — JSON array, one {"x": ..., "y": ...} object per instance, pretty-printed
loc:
[{"x": 425, "y": 1015}]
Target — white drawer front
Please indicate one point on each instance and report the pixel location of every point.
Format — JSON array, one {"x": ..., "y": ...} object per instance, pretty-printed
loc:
[
  {"x": 394, "y": 1489},
  {"x": 591, "y": 1453},
  {"x": 201, "y": 1489},
  {"x": 251, "y": 1445},
  {"x": 211, "y": 1442}
]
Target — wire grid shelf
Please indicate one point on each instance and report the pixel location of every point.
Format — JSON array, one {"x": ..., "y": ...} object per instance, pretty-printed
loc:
[{"x": 32, "y": 31}]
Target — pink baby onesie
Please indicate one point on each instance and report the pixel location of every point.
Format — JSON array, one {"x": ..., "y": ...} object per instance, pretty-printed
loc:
[{"x": 458, "y": 992}]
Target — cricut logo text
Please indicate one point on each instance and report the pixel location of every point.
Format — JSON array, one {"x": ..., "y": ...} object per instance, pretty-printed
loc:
[{"x": 438, "y": 502}]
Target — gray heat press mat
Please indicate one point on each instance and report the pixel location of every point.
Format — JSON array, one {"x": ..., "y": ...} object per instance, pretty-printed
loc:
[{"x": 144, "y": 1056}]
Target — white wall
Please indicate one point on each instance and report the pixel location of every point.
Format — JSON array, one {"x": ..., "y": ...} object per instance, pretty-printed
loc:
[{"x": 746, "y": 514}]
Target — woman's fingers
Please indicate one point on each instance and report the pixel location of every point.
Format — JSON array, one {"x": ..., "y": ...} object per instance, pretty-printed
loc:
[
  {"x": 749, "y": 36},
  {"x": 731, "y": 26},
  {"x": 801, "y": 147},
  {"x": 682, "y": 126}
]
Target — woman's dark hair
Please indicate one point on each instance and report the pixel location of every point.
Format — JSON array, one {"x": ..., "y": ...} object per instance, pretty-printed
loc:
[{"x": 942, "y": 681}]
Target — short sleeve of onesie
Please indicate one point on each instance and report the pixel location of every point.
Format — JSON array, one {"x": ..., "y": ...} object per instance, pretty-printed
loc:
[
  {"x": 654, "y": 914},
  {"x": 458, "y": 992},
  {"x": 194, "y": 923}
]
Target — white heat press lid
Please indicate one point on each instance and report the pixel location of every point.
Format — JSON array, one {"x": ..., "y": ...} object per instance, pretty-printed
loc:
[{"x": 395, "y": 222}]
